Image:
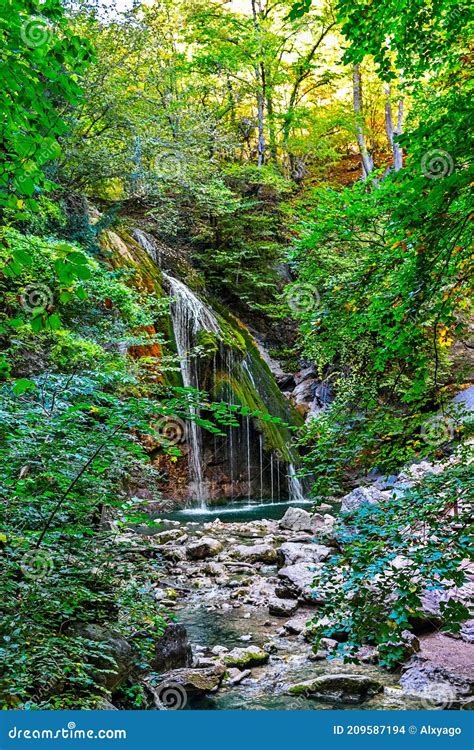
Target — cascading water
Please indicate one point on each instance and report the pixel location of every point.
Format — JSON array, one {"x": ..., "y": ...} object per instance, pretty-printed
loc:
[
  {"x": 295, "y": 487},
  {"x": 189, "y": 316},
  {"x": 148, "y": 243}
]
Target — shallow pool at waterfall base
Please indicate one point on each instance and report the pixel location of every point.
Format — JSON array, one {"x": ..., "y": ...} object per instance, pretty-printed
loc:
[{"x": 238, "y": 510}]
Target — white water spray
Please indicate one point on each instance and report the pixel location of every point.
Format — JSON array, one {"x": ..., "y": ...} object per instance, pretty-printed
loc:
[{"x": 189, "y": 316}]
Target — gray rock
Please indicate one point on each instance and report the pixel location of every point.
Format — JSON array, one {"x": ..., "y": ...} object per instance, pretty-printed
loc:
[
  {"x": 172, "y": 649},
  {"x": 291, "y": 553},
  {"x": 304, "y": 374},
  {"x": 297, "y": 624},
  {"x": 303, "y": 394},
  {"x": 361, "y": 496},
  {"x": 202, "y": 548},
  {"x": 170, "y": 535},
  {"x": 235, "y": 676},
  {"x": 282, "y": 607},
  {"x": 193, "y": 682},
  {"x": 255, "y": 553},
  {"x": 339, "y": 688},
  {"x": 298, "y": 580},
  {"x": 437, "y": 686},
  {"x": 298, "y": 519}
]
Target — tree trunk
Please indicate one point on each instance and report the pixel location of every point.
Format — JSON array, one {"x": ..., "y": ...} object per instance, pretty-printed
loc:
[
  {"x": 397, "y": 152},
  {"x": 260, "y": 82},
  {"x": 367, "y": 161},
  {"x": 271, "y": 127}
]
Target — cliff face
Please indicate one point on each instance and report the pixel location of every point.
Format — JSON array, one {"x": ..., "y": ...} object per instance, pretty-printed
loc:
[{"x": 250, "y": 458}]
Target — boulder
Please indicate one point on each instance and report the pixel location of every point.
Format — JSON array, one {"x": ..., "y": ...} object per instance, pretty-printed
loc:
[
  {"x": 192, "y": 681},
  {"x": 170, "y": 535},
  {"x": 297, "y": 624},
  {"x": 264, "y": 553},
  {"x": 202, "y": 548},
  {"x": 303, "y": 394},
  {"x": 243, "y": 658},
  {"x": 282, "y": 607},
  {"x": 172, "y": 649},
  {"x": 291, "y": 553},
  {"x": 339, "y": 688},
  {"x": 297, "y": 579},
  {"x": 360, "y": 496},
  {"x": 438, "y": 687},
  {"x": 416, "y": 472},
  {"x": 430, "y": 616},
  {"x": 298, "y": 519}
]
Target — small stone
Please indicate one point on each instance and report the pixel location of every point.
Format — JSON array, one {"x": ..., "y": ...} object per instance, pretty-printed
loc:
[{"x": 235, "y": 676}]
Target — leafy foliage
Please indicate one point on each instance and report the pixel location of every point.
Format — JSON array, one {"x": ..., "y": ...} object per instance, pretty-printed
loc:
[{"x": 391, "y": 554}]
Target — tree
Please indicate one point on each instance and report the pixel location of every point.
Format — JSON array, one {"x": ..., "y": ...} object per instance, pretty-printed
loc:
[{"x": 42, "y": 59}]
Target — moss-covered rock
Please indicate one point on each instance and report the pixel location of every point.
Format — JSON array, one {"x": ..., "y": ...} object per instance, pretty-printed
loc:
[{"x": 243, "y": 658}]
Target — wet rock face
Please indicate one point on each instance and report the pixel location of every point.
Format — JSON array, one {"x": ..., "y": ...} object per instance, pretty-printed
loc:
[
  {"x": 172, "y": 649},
  {"x": 339, "y": 688}
]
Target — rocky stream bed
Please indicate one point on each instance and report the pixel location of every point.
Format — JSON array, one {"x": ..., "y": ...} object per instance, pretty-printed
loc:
[{"x": 241, "y": 591}]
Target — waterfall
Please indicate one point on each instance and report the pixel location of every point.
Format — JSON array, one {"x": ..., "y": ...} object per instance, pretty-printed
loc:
[
  {"x": 148, "y": 243},
  {"x": 295, "y": 488},
  {"x": 189, "y": 316},
  {"x": 249, "y": 478}
]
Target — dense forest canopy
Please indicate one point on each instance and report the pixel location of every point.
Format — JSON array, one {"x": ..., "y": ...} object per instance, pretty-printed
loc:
[{"x": 309, "y": 164}]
